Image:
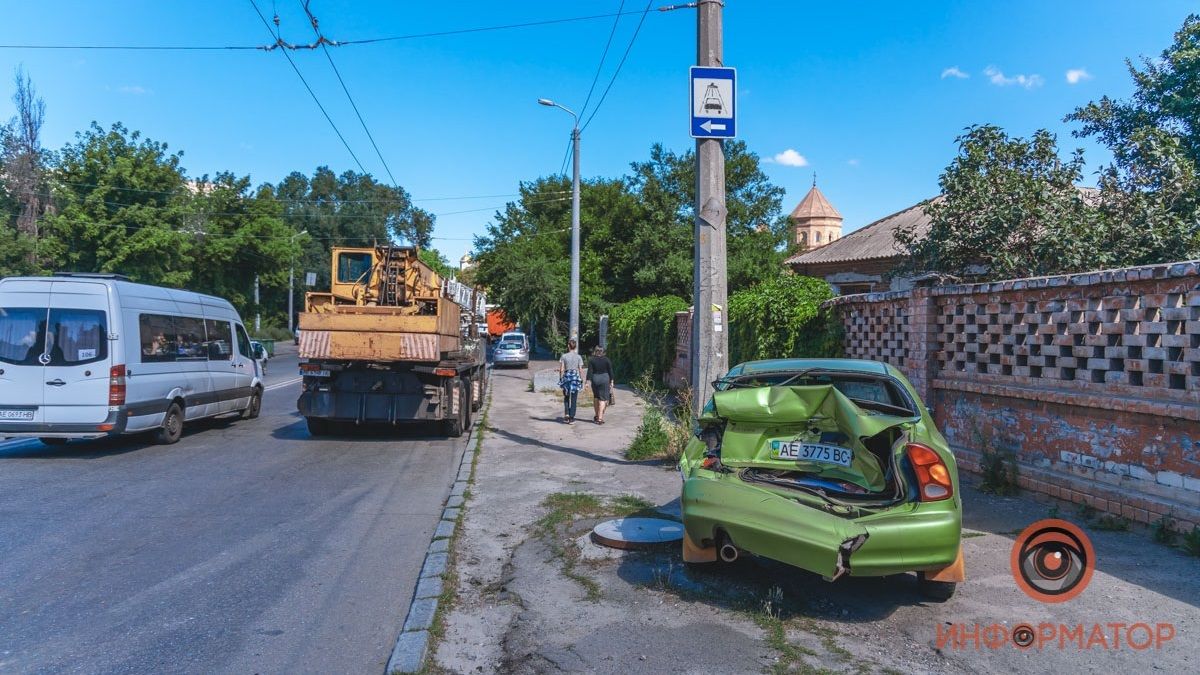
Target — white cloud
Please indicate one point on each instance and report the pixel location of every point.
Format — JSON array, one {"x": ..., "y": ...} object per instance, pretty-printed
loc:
[
  {"x": 1077, "y": 75},
  {"x": 134, "y": 89},
  {"x": 954, "y": 72},
  {"x": 998, "y": 78},
  {"x": 852, "y": 162},
  {"x": 788, "y": 157}
]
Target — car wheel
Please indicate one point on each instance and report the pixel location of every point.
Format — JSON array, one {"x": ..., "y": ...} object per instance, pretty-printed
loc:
[
  {"x": 54, "y": 441},
  {"x": 938, "y": 591},
  {"x": 317, "y": 426},
  {"x": 254, "y": 407},
  {"x": 172, "y": 426}
]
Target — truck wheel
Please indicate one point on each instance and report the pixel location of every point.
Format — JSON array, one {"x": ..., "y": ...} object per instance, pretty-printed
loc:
[
  {"x": 172, "y": 426},
  {"x": 317, "y": 426},
  {"x": 454, "y": 428}
]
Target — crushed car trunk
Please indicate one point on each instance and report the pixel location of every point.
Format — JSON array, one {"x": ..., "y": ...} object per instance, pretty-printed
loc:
[{"x": 795, "y": 467}]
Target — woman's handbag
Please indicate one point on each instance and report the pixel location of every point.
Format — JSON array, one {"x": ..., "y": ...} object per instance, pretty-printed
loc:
[{"x": 612, "y": 396}]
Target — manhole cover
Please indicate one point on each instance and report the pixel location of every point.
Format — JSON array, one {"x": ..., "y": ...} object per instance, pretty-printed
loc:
[{"x": 637, "y": 532}]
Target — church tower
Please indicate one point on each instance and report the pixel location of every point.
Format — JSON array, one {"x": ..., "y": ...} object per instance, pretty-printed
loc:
[{"x": 814, "y": 221}]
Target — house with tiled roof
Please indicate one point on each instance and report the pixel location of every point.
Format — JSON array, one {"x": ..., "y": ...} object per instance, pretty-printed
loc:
[{"x": 863, "y": 261}]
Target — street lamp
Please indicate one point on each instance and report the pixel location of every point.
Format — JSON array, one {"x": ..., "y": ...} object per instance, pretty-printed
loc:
[
  {"x": 292, "y": 280},
  {"x": 574, "y": 323}
]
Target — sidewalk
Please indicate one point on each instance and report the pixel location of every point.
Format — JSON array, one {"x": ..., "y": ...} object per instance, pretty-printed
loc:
[
  {"x": 517, "y": 611},
  {"x": 534, "y": 595}
]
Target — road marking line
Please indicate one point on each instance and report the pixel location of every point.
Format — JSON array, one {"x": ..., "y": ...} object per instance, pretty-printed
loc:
[{"x": 281, "y": 385}]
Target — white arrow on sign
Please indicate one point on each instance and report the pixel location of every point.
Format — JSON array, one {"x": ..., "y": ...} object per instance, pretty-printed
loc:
[{"x": 708, "y": 127}]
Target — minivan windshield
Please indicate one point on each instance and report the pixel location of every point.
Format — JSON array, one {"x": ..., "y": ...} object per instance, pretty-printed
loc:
[{"x": 76, "y": 336}]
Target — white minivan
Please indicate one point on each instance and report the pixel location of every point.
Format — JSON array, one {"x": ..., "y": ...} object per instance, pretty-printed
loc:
[{"x": 90, "y": 355}]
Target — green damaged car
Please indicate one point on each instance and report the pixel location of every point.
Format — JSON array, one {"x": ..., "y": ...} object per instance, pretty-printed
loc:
[{"x": 834, "y": 466}]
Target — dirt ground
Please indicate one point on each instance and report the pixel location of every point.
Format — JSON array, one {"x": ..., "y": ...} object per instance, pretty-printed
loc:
[{"x": 536, "y": 596}]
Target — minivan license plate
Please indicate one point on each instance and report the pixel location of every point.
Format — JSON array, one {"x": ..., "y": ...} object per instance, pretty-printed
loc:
[
  {"x": 813, "y": 452},
  {"x": 22, "y": 415}
]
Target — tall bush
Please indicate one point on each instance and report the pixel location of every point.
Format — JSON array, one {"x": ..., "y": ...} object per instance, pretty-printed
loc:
[
  {"x": 641, "y": 335},
  {"x": 783, "y": 318}
]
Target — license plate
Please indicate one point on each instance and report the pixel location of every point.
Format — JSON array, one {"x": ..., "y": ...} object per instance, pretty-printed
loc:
[
  {"x": 315, "y": 373},
  {"x": 22, "y": 415},
  {"x": 812, "y": 452}
]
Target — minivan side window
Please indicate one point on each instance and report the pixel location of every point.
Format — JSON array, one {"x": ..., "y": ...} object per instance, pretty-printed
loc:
[
  {"x": 220, "y": 340},
  {"x": 183, "y": 338},
  {"x": 243, "y": 342}
]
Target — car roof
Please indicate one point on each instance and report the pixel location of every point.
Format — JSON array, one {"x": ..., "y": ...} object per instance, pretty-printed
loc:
[{"x": 787, "y": 365}]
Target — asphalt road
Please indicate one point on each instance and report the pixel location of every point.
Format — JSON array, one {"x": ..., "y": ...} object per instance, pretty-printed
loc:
[{"x": 247, "y": 547}]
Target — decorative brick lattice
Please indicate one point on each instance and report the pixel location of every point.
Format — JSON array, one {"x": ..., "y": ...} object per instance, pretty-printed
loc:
[
  {"x": 878, "y": 331},
  {"x": 1098, "y": 335}
]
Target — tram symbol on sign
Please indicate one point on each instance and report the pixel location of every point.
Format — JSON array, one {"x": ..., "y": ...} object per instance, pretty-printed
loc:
[{"x": 712, "y": 99}]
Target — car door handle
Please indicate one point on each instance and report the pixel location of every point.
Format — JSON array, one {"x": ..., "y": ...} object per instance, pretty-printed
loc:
[{"x": 55, "y": 383}]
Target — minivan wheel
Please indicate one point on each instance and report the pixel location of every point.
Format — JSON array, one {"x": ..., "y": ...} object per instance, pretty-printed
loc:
[
  {"x": 318, "y": 426},
  {"x": 172, "y": 426},
  {"x": 252, "y": 409},
  {"x": 54, "y": 441},
  {"x": 938, "y": 591}
]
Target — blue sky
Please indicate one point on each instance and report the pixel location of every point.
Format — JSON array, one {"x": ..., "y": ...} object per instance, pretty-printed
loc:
[{"x": 859, "y": 90}]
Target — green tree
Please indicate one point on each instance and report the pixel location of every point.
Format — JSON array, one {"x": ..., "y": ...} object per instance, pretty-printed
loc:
[
  {"x": 437, "y": 262},
  {"x": 24, "y": 192},
  {"x": 1151, "y": 190},
  {"x": 238, "y": 234},
  {"x": 782, "y": 318},
  {"x": 350, "y": 209},
  {"x": 121, "y": 204},
  {"x": 1010, "y": 207}
]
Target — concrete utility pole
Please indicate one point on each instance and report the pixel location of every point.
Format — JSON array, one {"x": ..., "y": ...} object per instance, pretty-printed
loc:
[
  {"x": 710, "y": 337},
  {"x": 574, "y": 317},
  {"x": 292, "y": 282},
  {"x": 257, "y": 307}
]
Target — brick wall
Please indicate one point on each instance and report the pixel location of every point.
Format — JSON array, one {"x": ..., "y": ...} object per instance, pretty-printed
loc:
[{"x": 1091, "y": 380}]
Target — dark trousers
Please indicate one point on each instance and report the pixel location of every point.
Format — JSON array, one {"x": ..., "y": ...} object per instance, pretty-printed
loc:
[{"x": 570, "y": 401}]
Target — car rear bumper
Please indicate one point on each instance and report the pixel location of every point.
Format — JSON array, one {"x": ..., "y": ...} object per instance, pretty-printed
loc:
[
  {"x": 904, "y": 538},
  {"x": 114, "y": 424}
]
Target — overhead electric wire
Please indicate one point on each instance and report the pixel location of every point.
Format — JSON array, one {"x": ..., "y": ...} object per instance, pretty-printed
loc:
[
  {"x": 334, "y": 43},
  {"x": 617, "y": 72},
  {"x": 310, "y": 91},
  {"x": 603, "y": 55},
  {"x": 325, "y": 49}
]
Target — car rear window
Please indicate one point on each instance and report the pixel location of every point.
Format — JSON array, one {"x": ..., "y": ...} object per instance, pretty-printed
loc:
[
  {"x": 22, "y": 334},
  {"x": 74, "y": 337},
  {"x": 858, "y": 388},
  {"x": 510, "y": 345}
]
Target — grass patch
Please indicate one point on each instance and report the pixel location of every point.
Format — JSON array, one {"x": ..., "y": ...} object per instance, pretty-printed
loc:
[
  {"x": 1163, "y": 530},
  {"x": 666, "y": 424},
  {"x": 972, "y": 535},
  {"x": 1191, "y": 541},
  {"x": 1104, "y": 522},
  {"x": 564, "y": 508}
]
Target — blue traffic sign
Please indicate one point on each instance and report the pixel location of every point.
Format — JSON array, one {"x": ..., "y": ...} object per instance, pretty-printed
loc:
[{"x": 713, "y": 96}]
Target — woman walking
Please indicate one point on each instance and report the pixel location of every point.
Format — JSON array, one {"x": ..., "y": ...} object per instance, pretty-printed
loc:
[
  {"x": 601, "y": 375},
  {"x": 570, "y": 379}
]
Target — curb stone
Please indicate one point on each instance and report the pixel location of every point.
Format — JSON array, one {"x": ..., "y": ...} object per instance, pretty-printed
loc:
[{"x": 412, "y": 645}]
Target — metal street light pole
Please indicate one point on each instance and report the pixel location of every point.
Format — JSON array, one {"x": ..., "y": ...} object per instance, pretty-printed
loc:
[
  {"x": 292, "y": 282},
  {"x": 574, "y": 316}
]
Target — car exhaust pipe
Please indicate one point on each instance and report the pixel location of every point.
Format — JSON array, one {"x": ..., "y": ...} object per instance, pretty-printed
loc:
[{"x": 728, "y": 552}]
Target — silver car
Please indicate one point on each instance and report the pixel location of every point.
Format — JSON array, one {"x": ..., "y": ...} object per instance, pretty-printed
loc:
[{"x": 511, "y": 353}]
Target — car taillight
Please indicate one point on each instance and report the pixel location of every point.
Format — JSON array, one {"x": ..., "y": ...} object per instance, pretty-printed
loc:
[
  {"x": 116, "y": 385},
  {"x": 933, "y": 476}
]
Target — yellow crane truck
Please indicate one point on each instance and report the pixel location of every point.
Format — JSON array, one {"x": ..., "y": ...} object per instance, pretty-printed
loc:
[{"x": 390, "y": 343}]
